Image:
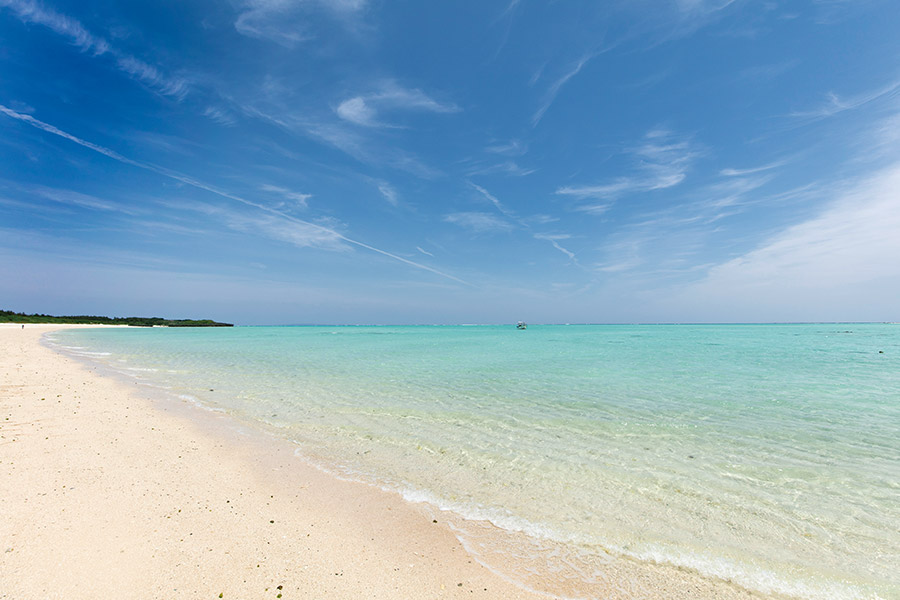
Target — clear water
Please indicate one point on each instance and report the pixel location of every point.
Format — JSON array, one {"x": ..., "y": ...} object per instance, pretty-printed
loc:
[{"x": 768, "y": 455}]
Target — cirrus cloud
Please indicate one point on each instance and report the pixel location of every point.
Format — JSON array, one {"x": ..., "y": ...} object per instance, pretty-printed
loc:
[
  {"x": 479, "y": 222},
  {"x": 824, "y": 264},
  {"x": 368, "y": 110}
]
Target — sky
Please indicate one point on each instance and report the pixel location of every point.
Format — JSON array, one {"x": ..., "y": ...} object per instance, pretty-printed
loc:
[{"x": 375, "y": 161}]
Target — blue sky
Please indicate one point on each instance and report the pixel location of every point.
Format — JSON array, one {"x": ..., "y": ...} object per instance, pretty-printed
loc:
[{"x": 361, "y": 161}]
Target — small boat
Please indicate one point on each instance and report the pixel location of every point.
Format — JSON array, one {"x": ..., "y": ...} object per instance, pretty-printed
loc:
[{"x": 521, "y": 325}]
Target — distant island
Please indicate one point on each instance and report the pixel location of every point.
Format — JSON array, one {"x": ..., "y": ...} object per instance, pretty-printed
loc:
[{"x": 7, "y": 316}]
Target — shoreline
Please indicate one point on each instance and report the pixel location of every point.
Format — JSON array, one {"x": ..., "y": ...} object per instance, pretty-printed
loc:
[{"x": 108, "y": 489}]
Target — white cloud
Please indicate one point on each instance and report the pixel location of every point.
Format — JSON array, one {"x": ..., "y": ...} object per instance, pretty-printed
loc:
[
  {"x": 284, "y": 22},
  {"x": 300, "y": 234},
  {"x": 357, "y": 111},
  {"x": 392, "y": 95},
  {"x": 479, "y": 222},
  {"x": 267, "y": 19},
  {"x": 30, "y": 11},
  {"x": 510, "y": 7},
  {"x": 752, "y": 170},
  {"x": 541, "y": 219},
  {"x": 554, "y": 240},
  {"x": 596, "y": 209},
  {"x": 150, "y": 75},
  {"x": 338, "y": 134},
  {"x": 78, "y": 199},
  {"x": 511, "y": 148},
  {"x": 366, "y": 110},
  {"x": 835, "y": 104},
  {"x": 619, "y": 267},
  {"x": 51, "y": 129},
  {"x": 389, "y": 193},
  {"x": 720, "y": 199},
  {"x": 297, "y": 199},
  {"x": 554, "y": 89},
  {"x": 841, "y": 264},
  {"x": 219, "y": 115},
  {"x": 702, "y": 6},
  {"x": 327, "y": 232},
  {"x": 334, "y": 134},
  {"x": 688, "y": 17},
  {"x": 493, "y": 200},
  {"x": 352, "y": 142},
  {"x": 607, "y": 190},
  {"x": 662, "y": 162},
  {"x": 507, "y": 167},
  {"x": 880, "y": 140}
]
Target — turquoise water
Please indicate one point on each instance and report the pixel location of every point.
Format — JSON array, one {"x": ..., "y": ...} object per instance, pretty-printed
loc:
[{"x": 768, "y": 455}]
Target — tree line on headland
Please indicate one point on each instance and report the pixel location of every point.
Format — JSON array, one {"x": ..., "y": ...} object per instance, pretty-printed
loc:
[{"x": 7, "y": 316}]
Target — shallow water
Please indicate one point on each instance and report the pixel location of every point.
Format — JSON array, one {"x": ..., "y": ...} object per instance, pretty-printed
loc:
[{"x": 768, "y": 455}]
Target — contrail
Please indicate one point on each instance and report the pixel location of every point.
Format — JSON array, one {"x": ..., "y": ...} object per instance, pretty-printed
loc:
[{"x": 200, "y": 185}]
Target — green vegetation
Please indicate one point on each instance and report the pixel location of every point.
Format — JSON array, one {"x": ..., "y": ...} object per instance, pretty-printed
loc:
[{"x": 7, "y": 316}]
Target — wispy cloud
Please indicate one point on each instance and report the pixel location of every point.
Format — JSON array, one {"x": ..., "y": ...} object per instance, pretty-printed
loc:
[
  {"x": 295, "y": 198},
  {"x": 554, "y": 89},
  {"x": 350, "y": 140},
  {"x": 388, "y": 191},
  {"x": 30, "y": 11},
  {"x": 541, "y": 219},
  {"x": 702, "y": 7},
  {"x": 507, "y": 167},
  {"x": 367, "y": 110},
  {"x": 272, "y": 225},
  {"x": 425, "y": 252},
  {"x": 851, "y": 244},
  {"x": 333, "y": 134},
  {"x": 882, "y": 138},
  {"x": 151, "y": 76},
  {"x": 493, "y": 200},
  {"x": 554, "y": 240},
  {"x": 672, "y": 234},
  {"x": 479, "y": 222},
  {"x": 690, "y": 16},
  {"x": 510, "y": 7},
  {"x": 663, "y": 161},
  {"x": 528, "y": 222},
  {"x": 727, "y": 194},
  {"x": 593, "y": 208},
  {"x": 538, "y": 73},
  {"x": 667, "y": 241},
  {"x": 78, "y": 199},
  {"x": 220, "y": 115},
  {"x": 510, "y": 148},
  {"x": 299, "y": 234},
  {"x": 834, "y": 104},
  {"x": 285, "y": 22},
  {"x": 263, "y": 24},
  {"x": 51, "y": 129},
  {"x": 218, "y": 192},
  {"x": 620, "y": 266},
  {"x": 729, "y": 172}
]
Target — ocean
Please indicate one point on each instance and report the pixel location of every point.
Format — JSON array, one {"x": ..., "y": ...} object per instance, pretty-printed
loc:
[{"x": 764, "y": 455}]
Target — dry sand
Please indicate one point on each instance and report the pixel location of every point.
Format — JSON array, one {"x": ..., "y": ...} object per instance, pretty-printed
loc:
[{"x": 107, "y": 492}]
